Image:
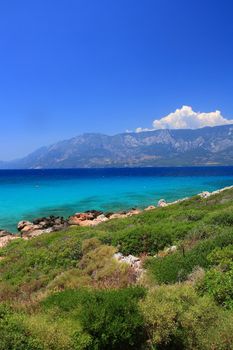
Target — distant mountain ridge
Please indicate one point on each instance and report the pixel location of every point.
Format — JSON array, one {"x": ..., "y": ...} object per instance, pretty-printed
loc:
[{"x": 181, "y": 147}]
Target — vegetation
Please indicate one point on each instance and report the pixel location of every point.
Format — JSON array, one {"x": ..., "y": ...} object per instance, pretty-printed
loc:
[{"x": 66, "y": 291}]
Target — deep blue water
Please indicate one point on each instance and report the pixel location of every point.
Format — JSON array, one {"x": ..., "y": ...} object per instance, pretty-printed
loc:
[{"x": 27, "y": 194}]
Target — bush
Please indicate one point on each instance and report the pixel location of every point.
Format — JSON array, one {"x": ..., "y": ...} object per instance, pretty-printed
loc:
[
  {"x": 176, "y": 267},
  {"x": 97, "y": 269},
  {"x": 57, "y": 333},
  {"x": 30, "y": 265},
  {"x": 145, "y": 238},
  {"x": 14, "y": 335},
  {"x": 218, "y": 281},
  {"x": 224, "y": 218},
  {"x": 111, "y": 318},
  {"x": 177, "y": 318}
]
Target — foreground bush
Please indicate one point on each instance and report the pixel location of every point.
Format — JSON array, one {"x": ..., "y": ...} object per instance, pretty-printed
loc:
[
  {"x": 177, "y": 318},
  {"x": 111, "y": 318},
  {"x": 14, "y": 336}
]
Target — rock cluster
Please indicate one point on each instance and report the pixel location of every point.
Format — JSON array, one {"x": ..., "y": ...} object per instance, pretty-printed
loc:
[
  {"x": 6, "y": 237},
  {"x": 151, "y": 207},
  {"x": 93, "y": 217},
  {"x": 4, "y": 233},
  {"x": 38, "y": 226},
  {"x": 41, "y": 225},
  {"x": 89, "y": 218},
  {"x": 133, "y": 261}
]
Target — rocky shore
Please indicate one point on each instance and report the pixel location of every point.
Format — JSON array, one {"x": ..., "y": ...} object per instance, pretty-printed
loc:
[{"x": 30, "y": 229}]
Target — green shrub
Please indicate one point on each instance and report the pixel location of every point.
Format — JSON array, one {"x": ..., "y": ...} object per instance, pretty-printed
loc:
[
  {"x": 203, "y": 231},
  {"x": 97, "y": 269},
  {"x": 177, "y": 318},
  {"x": 145, "y": 238},
  {"x": 176, "y": 267},
  {"x": 14, "y": 335},
  {"x": 56, "y": 333},
  {"x": 218, "y": 281},
  {"x": 224, "y": 218},
  {"x": 30, "y": 265},
  {"x": 111, "y": 318}
]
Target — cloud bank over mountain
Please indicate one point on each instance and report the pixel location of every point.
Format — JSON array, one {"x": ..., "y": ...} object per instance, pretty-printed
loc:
[{"x": 187, "y": 118}]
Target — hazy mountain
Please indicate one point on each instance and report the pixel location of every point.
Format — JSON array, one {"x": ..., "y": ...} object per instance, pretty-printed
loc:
[{"x": 206, "y": 146}]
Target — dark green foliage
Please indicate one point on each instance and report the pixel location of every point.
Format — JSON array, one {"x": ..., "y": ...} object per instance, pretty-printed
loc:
[
  {"x": 149, "y": 232},
  {"x": 31, "y": 264},
  {"x": 111, "y": 318},
  {"x": 223, "y": 218},
  {"x": 13, "y": 334},
  {"x": 176, "y": 267},
  {"x": 178, "y": 318},
  {"x": 218, "y": 281},
  {"x": 140, "y": 240}
]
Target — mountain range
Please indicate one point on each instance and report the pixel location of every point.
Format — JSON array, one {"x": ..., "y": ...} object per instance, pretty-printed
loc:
[{"x": 182, "y": 147}]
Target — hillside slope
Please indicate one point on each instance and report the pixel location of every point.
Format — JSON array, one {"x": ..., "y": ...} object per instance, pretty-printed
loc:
[{"x": 65, "y": 290}]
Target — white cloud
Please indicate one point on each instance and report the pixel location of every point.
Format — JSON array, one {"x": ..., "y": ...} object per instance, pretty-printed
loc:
[
  {"x": 187, "y": 118},
  {"x": 143, "y": 129}
]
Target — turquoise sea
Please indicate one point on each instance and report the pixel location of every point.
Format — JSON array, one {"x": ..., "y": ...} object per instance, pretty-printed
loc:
[{"x": 27, "y": 194}]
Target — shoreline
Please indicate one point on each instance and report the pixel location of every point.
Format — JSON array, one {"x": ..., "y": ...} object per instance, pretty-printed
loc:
[{"x": 89, "y": 218}]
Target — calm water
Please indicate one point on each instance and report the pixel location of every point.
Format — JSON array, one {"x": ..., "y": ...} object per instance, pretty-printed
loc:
[{"x": 27, "y": 194}]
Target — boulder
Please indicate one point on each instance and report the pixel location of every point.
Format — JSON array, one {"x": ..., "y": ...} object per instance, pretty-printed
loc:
[
  {"x": 23, "y": 223},
  {"x": 162, "y": 203},
  {"x": 73, "y": 220},
  {"x": 205, "y": 194},
  {"x": 87, "y": 223},
  {"x": 131, "y": 260},
  {"x": 4, "y": 233},
  {"x": 133, "y": 212},
  {"x": 41, "y": 225},
  {"x": 108, "y": 214},
  {"x": 4, "y": 240},
  {"x": 37, "y": 221},
  {"x": 117, "y": 216},
  {"x": 27, "y": 226},
  {"x": 101, "y": 218},
  {"x": 78, "y": 217},
  {"x": 36, "y": 232},
  {"x": 151, "y": 207},
  {"x": 94, "y": 213},
  {"x": 51, "y": 221}
]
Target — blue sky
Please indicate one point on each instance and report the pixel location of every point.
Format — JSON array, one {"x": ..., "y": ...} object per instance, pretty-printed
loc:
[{"x": 68, "y": 67}]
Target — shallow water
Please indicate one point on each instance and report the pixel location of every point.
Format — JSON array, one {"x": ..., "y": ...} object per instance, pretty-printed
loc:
[{"x": 27, "y": 194}]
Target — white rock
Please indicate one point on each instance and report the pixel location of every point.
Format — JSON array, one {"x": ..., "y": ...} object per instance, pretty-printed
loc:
[
  {"x": 162, "y": 203},
  {"x": 205, "y": 194},
  {"x": 151, "y": 207}
]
